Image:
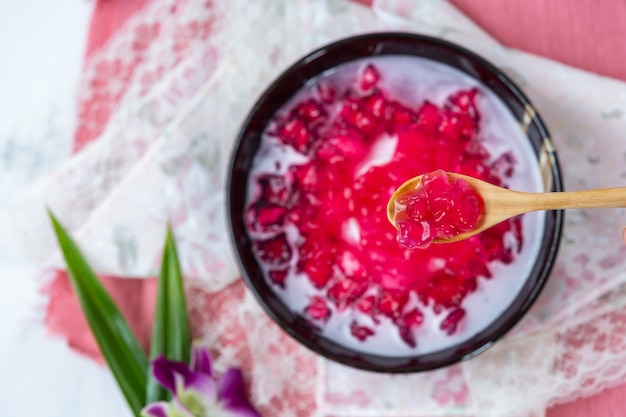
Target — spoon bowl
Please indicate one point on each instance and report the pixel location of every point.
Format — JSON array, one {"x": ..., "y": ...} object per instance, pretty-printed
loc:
[{"x": 501, "y": 204}]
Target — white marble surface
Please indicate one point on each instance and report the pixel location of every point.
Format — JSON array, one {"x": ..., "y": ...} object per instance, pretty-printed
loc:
[{"x": 41, "y": 49}]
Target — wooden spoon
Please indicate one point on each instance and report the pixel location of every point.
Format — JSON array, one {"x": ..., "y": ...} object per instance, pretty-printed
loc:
[{"x": 501, "y": 204}]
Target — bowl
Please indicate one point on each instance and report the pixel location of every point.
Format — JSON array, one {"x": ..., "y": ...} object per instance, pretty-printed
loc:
[{"x": 347, "y": 50}]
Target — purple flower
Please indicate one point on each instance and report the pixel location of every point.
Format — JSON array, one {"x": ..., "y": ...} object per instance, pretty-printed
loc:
[{"x": 195, "y": 391}]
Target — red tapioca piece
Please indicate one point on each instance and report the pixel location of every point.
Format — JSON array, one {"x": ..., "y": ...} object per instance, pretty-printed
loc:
[
  {"x": 505, "y": 164},
  {"x": 446, "y": 227},
  {"x": 402, "y": 115},
  {"x": 312, "y": 246},
  {"x": 407, "y": 335},
  {"x": 457, "y": 127},
  {"x": 456, "y": 213},
  {"x": 475, "y": 152},
  {"x": 318, "y": 267},
  {"x": 305, "y": 214},
  {"x": 474, "y": 167},
  {"x": 318, "y": 309},
  {"x": 429, "y": 117},
  {"x": 348, "y": 110},
  {"x": 294, "y": 132},
  {"x": 468, "y": 260},
  {"x": 345, "y": 143},
  {"x": 412, "y": 318},
  {"x": 417, "y": 206},
  {"x": 452, "y": 322},
  {"x": 446, "y": 291},
  {"x": 366, "y": 123},
  {"x": 305, "y": 176},
  {"x": 351, "y": 115},
  {"x": 360, "y": 332},
  {"x": 278, "y": 277},
  {"x": 368, "y": 305},
  {"x": 435, "y": 182},
  {"x": 378, "y": 106},
  {"x": 345, "y": 291},
  {"x": 391, "y": 304},
  {"x": 407, "y": 323},
  {"x": 416, "y": 234},
  {"x": 447, "y": 155},
  {"x": 437, "y": 190},
  {"x": 465, "y": 102},
  {"x": 273, "y": 251},
  {"x": 468, "y": 213},
  {"x": 311, "y": 111},
  {"x": 494, "y": 243},
  {"x": 369, "y": 78},
  {"x": 414, "y": 148},
  {"x": 263, "y": 217}
]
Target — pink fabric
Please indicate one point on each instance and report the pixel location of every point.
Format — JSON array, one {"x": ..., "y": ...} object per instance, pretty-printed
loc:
[
  {"x": 575, "y": 32},
  {"x": 64, "y": 316},
  {"x": 608, "y": 403},
  {"x": 582, "y": 33},
  {"x": 94, "y": 113}
]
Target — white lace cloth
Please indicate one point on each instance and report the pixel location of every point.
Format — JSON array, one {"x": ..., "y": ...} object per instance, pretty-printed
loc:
[{"x": 163, "y": 157}]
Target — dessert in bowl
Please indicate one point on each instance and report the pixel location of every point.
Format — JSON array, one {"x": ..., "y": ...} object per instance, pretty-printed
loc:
[{"x": 312, "y": 171}]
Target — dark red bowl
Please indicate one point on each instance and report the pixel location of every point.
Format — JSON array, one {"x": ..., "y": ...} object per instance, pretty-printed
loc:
[{"x": 330, "y": 56}]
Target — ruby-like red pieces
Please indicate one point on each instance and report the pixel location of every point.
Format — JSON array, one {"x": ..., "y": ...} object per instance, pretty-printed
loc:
[
  {"x": 278, "y": 276},
  {"x": 318, "y": 309},
  {"x": 360, "y": 332},
  {"x": 369, "y": 78},
  {"x": 452, "y": 322},
  {"x": 436, "y": 208},
  {"x": 274, "y": 251},
  {"x": 344, "y": 244}
]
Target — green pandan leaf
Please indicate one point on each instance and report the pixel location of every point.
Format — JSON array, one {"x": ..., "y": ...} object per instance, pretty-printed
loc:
[
  {"x": 118, "y": 344},
  {"x": 170, "y": 332}
]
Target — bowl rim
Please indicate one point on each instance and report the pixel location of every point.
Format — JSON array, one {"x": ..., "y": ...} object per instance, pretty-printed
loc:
[{"x": 406, "y": 364}]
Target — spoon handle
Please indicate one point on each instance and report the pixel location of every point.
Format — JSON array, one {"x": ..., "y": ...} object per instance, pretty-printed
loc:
[{"x": 602, "y": 198}]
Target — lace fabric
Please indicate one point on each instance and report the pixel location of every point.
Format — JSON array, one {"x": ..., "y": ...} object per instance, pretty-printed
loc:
[{"x": 184, "y": 74}]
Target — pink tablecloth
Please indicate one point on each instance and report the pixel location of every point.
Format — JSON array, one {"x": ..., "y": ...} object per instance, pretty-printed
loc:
[
  {"x": 575, "y": 32},
  {"x": 580, "y": 33}
]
